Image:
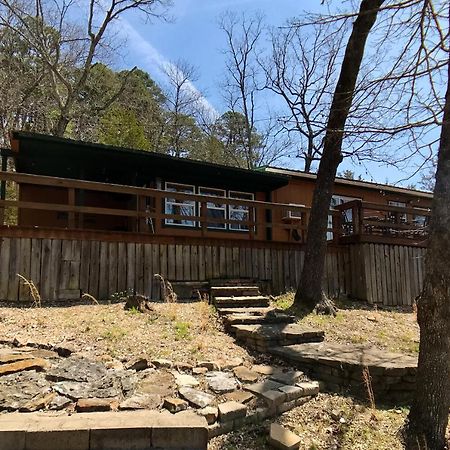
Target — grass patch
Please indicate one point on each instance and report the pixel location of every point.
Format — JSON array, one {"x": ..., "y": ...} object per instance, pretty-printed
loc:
[
  {"x": 182, "y": 330},
  {"x": 114, "y": 333}
]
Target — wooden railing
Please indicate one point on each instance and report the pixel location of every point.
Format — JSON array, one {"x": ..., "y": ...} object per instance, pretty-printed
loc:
[
  {"x": 149, "y": 206},
  {"x": 358, "y": 218}
]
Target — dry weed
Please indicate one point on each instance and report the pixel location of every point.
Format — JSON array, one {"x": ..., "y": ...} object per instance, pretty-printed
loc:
[
  {"x": 168, "y": 293},
  {"x": 90, "y": 297},
  {"x": 368, "y": 384},
  {"x": 35, "y": 295}
]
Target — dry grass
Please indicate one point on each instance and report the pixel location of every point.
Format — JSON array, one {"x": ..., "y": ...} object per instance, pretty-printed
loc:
[
  {"x": 327, "y": 422},
  {"x": 181, "y": 332},
  {"x": 395, "y": 329}
]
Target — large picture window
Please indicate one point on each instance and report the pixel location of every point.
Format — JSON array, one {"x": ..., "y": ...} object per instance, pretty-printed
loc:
[
  {"x": 180, "y": 207},
  {"x": 239, "y": 212},
  {"x": 215, "y": 210}
]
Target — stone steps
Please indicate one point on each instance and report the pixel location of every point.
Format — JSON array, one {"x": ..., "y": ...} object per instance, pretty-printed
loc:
[
  {"x": 234, "y": 291},
  {"x": 272, "y": 316},
  {"x": 255, "y": 311},
  {"x": 254, "y": 300},
  {"x": 262, "y": 337},
  {"x": 219, "y": 282}
]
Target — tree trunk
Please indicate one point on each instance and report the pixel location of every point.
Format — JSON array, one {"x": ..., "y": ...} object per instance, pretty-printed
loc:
[
  {"x": 309, "y": 292},
  {"x": 427, "y": 420},
  {"x": 60, "y": 127}
]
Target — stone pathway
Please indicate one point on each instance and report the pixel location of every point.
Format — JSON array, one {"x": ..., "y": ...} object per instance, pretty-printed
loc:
[{"x": 227, "y": 394}]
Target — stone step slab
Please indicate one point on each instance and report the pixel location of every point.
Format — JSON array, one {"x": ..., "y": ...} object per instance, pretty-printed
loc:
[
  {"x": 220, "y": 282},
  {"x": 253, "y": 310},
  {"x": 283, "y": 439},
  {"x": 256, "y": 300},
  {"x": 229, "y": 291},
  {"x": 250, "y": 319}
]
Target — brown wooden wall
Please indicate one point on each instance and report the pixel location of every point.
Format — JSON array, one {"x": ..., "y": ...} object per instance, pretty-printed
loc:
[{"x": 62, "y": 268}]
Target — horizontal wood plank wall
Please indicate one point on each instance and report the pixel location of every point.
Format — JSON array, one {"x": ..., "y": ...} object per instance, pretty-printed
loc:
[
  {"x": 63, "y": 269},
  {"x": 391, "y": 275}
]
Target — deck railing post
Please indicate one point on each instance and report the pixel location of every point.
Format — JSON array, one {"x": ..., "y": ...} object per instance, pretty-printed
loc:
[
  {"x": 71, "y": 215},
  {"x": 203, "y": 217}
]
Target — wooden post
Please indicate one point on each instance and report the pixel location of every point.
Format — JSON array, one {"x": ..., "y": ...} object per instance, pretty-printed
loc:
[
  {"x": 71, "y": 215},
  {"x": 337, "y": 226},
  {"x": 203, "y": 217},
  {"x": 252, "y": 219},
  {"x": 4, "y": 159}
]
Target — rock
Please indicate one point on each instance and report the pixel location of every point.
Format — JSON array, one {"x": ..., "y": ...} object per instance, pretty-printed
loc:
[
  {"x": 107, "y": 387},
  {"x": 199, "y": 370},
  {"x": 26, "y": 364},
  {"x": 76, "y": 369},
  {"x": 230, "y": 364},
  {"x": 139, "y": 363},
  {"x": 114, "y": 365},
  {"x": 210, "y": 365},
  {"x": 162, "y": 363},
  {"x": 274, "y": 398},
  {"x": 139, "y": 303},
  {"x": 239, "y": 396},
  {"x": 13, "y": 357},
  {"x": 283, "y": 439},
  {"x": 175, "y": 405},
  {"x": 64, "y": 350},
  {"x": 309, "y": 387},
  {"x": 292, "y": 392},
  {"x": 182, "y": 366},
  {"x": 59, "y": 402},
  {"x": 182, "y": 379},
  {"x": 157, "y": 382},
  {"x": 259, "y": 388},
  {"x": 264, "y": 369},
  {"x": 221, "y": 382},
  {"x": 96, "y": 404},
  {"x": 231, "y": 411},
  {"x": 196, "y": 398},
  {"x": 40, "y": 402},
  {"x": 141, "y": 401},
  {"x": 245, "y": 374},
  {"x": 290, "y": 377},
  {"x": 210, "y": 413}
]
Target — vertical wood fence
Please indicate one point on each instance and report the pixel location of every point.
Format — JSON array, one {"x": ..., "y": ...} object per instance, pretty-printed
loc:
[{"x": 63, "y": 269}]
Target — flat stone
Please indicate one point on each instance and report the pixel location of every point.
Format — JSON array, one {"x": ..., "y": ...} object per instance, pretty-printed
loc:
[
  {"x": 210, "y": 365},
  {"x": 199, "y": 370},
  {"x": 283, "y": 439},
  {"x": 274, "y": 398},
  {"x": 309, "y": 387},
  {"x": 39, "y": 402},
  {"x": 76, "y": 369},
  {"x": 245, "y": 374},
  {"x": 141, "y": 401},
  {"x": 26, "y": 364},
  {"x": 183, "y": 366},
  {"x": 239, "y": 396},
  {"x": 210, "y": 413},
  {"x": 157, "y": 382},
  {"x": 229, "y": 364},
  {"x": 231, "y": 411},
  {"x": 221, "y": 382},
  {"x": 106, "y": 387},
  {"x": 11, "y": 357},
  {"x": 175, "y": 405},
  {"x": 139, "y": 363},
  {"x": 182, "y": 379},
  {"x": 289, "y": 377},
  {"x": 43, "y": 353},
  {"x": 196, "y": 398},
  {"x": 96, "y": 404},
  {"x": 59, "y": 402},
  {"x": 263, "y": 369},
  {"x": 292, "y": 392},
  {"x": 162, "y": 363},
  {"x": 259, "y": 388}
]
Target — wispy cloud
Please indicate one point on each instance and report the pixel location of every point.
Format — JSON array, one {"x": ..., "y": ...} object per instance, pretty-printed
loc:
[{"x": 151, "y": 60}]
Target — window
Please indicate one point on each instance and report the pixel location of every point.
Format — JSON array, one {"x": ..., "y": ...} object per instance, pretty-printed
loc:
[
  {"x": 215, "y": 210},
  {"x": 419, "y": 220},
  {"x": 397, "y": 216},
  {"x": 180, "y": 207},
  {"x": 347, "y": 215},
  {"x": 239, "y": 212}
]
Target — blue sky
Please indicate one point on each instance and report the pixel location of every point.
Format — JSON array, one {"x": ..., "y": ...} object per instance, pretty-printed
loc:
[{"x": 194, "y": 36}]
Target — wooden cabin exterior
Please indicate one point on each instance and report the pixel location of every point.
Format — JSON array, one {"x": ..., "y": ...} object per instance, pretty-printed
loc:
[{"x": 101, "y": 219}]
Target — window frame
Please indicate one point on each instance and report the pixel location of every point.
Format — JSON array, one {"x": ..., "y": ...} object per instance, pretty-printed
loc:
[
  {"x": 231, "y": 209},
  {"x": 214, "y": 226},
  {"x": 191, "y": 203}
]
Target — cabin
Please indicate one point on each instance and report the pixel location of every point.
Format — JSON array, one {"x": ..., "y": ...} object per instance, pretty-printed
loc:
[{"x": 102, "y": 219}]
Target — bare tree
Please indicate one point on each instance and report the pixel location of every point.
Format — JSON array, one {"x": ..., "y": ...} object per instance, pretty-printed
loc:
[
  {"x": 309, "y": 293},
  {"x": 428, "y": 418},
  {"x": 184, "y": 104},
  {"x": 301, "y": 69},
  {"x": 62, "y": 45}
]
